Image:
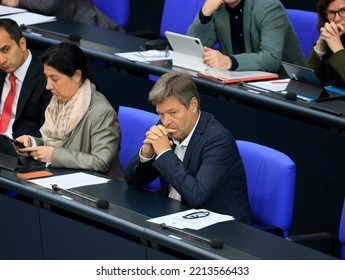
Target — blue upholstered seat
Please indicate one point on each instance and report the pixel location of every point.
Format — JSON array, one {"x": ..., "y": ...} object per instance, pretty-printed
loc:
[
  {"x": 271, "y": 186},
  {"x": 178, "y": 15},
  {"x": 305, "y": 25},
  {"x": 117, "y": 10},
  {"x": 134, "y": 123}
]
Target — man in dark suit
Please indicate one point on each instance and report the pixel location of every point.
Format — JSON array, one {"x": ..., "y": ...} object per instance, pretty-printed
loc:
[
  {"x": 196, "y": 158},
  {"x": 30, "y": 99}
]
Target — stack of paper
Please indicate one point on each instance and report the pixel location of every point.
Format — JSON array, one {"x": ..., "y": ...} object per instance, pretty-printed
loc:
[
  {"x": 5, "y": 10},
  {"x": 28, "y": 18},
  {"x": 68, "y": 181}
]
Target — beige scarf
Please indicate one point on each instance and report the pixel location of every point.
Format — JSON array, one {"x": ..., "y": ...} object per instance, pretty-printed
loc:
[{"x": 61, "y": 118}]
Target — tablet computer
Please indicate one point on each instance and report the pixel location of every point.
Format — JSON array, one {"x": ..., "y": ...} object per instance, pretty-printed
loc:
[
  {"x": 188, "y": 51},
  {"x": 304, "y": 81}
]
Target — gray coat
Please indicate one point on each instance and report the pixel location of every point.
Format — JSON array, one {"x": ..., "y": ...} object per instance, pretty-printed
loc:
[{"x": 94, "y": 143}]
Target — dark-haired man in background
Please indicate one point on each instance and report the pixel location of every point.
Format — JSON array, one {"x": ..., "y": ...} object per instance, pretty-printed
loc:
[{"x": 23, "y": 94}]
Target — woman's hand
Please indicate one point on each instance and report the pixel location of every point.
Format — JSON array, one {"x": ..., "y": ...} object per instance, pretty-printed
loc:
[
  {"x": 331, "y": 34},
  {"x": 25, "y": 140},
  {"x": 41, "y": 153}
]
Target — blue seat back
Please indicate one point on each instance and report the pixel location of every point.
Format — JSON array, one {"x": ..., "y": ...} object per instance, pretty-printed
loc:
[
  {"x": 271, "y": 185},
  {"x": 342, "y": 234},
  {"x": 178, "y": 15},
  {"x": 117, "y": 10},
  {"x": 305, "y": 25},
  {"x": 134, "y": 123}
]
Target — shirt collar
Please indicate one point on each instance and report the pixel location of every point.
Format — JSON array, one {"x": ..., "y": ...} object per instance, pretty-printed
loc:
[
  {"x": 185, "y": 142},
  {"x": 21, "y": 71}
]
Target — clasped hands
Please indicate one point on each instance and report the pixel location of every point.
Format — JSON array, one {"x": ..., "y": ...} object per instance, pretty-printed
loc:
[
  {"x": 157, "y": 141},
  {"x": 41, "y": 153},
  {"x": 330, "y": 34}
]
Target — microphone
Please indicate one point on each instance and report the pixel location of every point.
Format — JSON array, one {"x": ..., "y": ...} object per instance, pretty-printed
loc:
[
  {"x": 214, "y": 243},
  {"x": 71, "y": 37},
  {"x": 291, "y": 95},
  {"x": 100, "y": 203}
]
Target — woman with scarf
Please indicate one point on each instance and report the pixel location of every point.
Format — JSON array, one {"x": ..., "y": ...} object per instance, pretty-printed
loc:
[{"x": 81, "y": 128}]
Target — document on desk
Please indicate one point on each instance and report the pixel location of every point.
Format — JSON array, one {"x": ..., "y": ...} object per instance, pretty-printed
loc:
[
  {"x": 6, "y": 10},
  {"x": 279, "y": 86},
  {"x": 192, "y": 219},
  {"x": 274, "y": 85},
  {"x": 147, "y": 56},
  {"x": 28, "y": 18},
  {"x": 69, "y": 181}
]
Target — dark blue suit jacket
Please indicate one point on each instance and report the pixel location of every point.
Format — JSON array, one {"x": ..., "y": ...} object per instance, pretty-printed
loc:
[
  {"x": 211, "y": 175},
  {"x": 32, "y": 102}
]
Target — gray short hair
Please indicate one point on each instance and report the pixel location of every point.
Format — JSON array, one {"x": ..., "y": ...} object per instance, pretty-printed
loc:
[{"x": 178, "y": 84}]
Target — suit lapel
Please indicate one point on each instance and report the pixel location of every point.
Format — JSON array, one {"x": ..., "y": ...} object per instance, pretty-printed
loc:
[
  {"x": 223, "y": 23},
  {"x": 247, "y": 24},
  {"x": 200, "y": 128},
  {"x": 27, "y": 87},
  {"x": 2, "y": 81}
]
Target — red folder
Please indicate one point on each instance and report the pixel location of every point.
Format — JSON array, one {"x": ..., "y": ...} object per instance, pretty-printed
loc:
[{"x": 228, "y": 77}]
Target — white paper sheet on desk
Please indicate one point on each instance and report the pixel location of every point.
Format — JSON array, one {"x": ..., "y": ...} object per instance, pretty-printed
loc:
[
  {"x": 273, "y": 85},
  {"x": 69, "y": 181},
  {"x": 176, "y": 220},
  {"x": 146, "y": 56},
  {"x": 6, "y": 10},
  {"x": 29, "y": 18}
]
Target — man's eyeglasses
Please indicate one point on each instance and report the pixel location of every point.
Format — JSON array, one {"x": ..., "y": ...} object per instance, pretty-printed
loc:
[
  {"x": 331, "y": 14},
  {"x": 197, "y": 215}
]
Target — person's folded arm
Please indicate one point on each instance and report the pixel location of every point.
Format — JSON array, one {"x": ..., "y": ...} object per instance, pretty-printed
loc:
[{"x": 41, "y": 6}]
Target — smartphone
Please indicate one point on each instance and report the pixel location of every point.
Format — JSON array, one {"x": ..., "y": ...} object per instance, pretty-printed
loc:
[{"x": 18, "y": 144}]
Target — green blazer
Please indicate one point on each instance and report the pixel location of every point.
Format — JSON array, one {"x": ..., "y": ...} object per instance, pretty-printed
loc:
[
  {"x": 268, "y": 36},
  {"x": 330, "y": 67}
]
